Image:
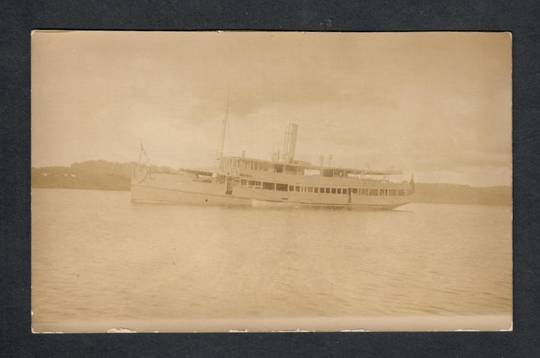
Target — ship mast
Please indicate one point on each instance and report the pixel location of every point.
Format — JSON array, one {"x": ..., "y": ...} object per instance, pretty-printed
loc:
[{"x": 223, "y": 133}]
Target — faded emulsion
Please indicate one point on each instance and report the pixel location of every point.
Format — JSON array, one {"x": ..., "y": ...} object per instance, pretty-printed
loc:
[{"x": 271, "y": 181}]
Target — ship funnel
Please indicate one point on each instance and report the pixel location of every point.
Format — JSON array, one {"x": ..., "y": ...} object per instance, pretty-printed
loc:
[{"x": 289, "y": 143}]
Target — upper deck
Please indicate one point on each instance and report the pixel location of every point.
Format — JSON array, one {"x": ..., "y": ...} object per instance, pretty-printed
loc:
[
  {"x": 240, "y": 166},
  {"x": 286, "y": 169}
]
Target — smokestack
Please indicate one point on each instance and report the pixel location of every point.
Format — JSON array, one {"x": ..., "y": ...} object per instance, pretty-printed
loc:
[{"x": 289, "y": 142}]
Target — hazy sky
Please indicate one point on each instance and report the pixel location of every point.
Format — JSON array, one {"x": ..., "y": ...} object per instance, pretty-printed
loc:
[{"x": 437, "y": 104}]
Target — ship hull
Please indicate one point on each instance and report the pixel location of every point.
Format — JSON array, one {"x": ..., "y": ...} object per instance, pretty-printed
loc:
[
  {"x": 186, "y": 189},
  {"x": 145, "y": 194}
]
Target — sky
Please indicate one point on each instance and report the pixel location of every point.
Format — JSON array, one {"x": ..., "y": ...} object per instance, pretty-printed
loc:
[{"x": 434, "y": 104}]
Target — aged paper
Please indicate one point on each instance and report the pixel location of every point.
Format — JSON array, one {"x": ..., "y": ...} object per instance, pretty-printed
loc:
[{"x": 271, "y": 181}]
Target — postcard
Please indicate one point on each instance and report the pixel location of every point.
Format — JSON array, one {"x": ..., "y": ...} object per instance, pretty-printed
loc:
[{"x": 251, "y": 181}]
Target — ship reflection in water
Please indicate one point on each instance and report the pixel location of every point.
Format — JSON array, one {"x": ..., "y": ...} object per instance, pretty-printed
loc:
[{"x": 109, "y": 261}]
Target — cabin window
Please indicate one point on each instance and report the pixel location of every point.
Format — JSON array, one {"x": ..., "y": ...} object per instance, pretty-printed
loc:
[
  {"x": 327, "y": 190},
  {"x": 354, "y": 190},
  {"x": 401, "y": 192},
  {"x": 243, "y": 182},
  {"x": 291, "y": 187},
  {"x": 339, "y": 190},
  {"x": 392, "y": 192},
  {"x": 254, "y": 184},
  {"x": 316, "y": 189},
  {"x": 297, "y": 188},
  {"x": 344, "y": 191},
  {"x": 333, "y": 190},
  {"x": 381, "y": 192},
  {"x": 281, "y": 187},
  {"x": 279, "y": 168},
  {"x": 373, "y": 192},
  {"x": 268, "y": 186}
]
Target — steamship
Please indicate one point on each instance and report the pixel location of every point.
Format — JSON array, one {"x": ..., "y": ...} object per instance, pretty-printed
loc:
[{"x": 280, "y": 182}]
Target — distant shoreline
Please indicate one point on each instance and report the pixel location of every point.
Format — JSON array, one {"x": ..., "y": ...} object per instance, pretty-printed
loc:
[
  {"x": 86, "y": 189},
  {"x": 110, "y": 176},
  {"x": 128, "y": 190}
]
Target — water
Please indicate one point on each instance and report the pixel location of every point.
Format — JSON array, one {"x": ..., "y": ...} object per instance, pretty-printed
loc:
[{"x": 98, "y": 257}]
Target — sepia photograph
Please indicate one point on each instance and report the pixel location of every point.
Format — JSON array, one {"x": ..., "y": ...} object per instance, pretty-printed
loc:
[{"x": 256, "y": 181}]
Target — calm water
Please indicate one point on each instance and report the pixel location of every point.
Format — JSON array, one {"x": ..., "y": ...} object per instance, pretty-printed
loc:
[{"x": 96, "y": 256}]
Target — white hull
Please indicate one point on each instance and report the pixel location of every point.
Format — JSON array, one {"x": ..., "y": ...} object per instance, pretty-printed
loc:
[
  {"x": 156, "y": 195},
  {"x": 185, "y": 189}
]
